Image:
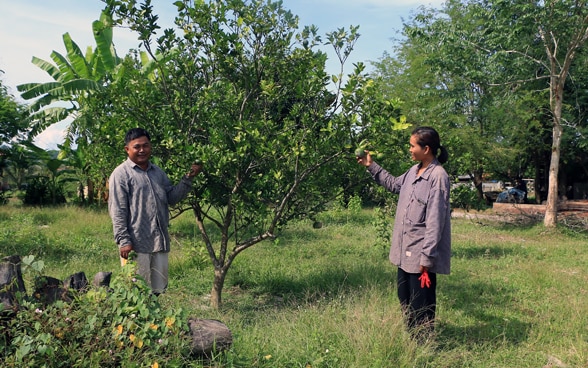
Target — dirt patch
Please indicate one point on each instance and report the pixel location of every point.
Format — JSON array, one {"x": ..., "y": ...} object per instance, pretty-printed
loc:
[{"x": 574, "y": 213}]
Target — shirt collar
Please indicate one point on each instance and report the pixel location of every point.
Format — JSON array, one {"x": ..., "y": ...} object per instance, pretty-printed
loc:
[
  {"x": 425, "y": 175},
  {"x": 134, "y": 165}
]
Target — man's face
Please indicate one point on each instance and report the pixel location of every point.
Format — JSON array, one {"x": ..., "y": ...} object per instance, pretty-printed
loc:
[{"x": 139, "y": 151}]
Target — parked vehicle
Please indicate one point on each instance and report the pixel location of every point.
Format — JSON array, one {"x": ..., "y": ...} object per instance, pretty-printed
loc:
[{"x": 512, "y": 195}]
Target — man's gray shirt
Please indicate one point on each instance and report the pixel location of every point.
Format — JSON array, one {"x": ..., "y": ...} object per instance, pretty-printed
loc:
[
  {"x": 422, "y": 229},
  {"x": 138, "y": 203}
]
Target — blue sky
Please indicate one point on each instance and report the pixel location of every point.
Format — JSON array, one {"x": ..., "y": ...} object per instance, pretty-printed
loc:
[{"x": 35, "y": 27}]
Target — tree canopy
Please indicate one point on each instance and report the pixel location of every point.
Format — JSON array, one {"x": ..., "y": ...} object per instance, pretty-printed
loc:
[
  {"x": 238, "y": 86},
  {"x": 492, "y": 75},
  {"x": 13, "y": 123}
]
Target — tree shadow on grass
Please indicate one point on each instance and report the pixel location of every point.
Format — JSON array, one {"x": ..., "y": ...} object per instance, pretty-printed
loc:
[
  {"x": 489, "y": 252},
  {"x": 488, "y": 314},
  {"x": 323, "y": 285}
]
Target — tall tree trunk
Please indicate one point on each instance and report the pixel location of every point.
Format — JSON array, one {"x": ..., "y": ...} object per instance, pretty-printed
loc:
[{"x": 550, "y": 219}]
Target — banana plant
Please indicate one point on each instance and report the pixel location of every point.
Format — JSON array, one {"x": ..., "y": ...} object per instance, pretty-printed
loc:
[{"x": 75, "y": 77}]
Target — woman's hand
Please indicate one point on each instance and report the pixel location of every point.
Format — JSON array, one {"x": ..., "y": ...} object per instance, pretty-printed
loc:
[{"x": 365, "y": 159}]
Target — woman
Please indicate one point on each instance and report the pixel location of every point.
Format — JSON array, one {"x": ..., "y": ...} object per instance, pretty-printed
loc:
[{"x": 421, "y": 239}]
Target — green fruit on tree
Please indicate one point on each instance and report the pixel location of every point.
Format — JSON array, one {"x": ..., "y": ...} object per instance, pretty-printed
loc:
[
  {"x": 360, "y": 152},
  {"x": 198, "y": 162}
]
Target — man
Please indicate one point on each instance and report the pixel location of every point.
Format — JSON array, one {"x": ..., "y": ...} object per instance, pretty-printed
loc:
[{"x": 138, "y": 202}]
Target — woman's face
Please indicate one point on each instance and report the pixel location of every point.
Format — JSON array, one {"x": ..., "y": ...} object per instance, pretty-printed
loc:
[{"x": 417, "y": 152}]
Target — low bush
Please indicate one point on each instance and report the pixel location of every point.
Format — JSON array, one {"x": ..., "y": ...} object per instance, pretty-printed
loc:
[
  {"x": 124, "y": 325},
  {"x": 465, "y": 197}
]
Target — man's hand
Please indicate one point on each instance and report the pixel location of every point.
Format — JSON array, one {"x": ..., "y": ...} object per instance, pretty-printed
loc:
[
  {"x": 195, "y": 169},
  {"x": 125, "y": 250}
]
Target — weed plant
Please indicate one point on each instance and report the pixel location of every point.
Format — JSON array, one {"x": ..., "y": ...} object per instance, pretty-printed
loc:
[{"x": 326, "y": 297}]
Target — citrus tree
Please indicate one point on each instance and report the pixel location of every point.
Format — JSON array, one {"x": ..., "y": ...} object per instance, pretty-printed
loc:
[{"x": 238, "y": 86}]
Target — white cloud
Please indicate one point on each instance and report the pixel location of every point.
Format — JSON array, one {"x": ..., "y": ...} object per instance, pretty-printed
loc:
[{"x": 52, "y": 136}]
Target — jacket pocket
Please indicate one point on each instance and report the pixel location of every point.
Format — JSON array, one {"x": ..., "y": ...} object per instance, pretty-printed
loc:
[{"x": 417, "y": 210}]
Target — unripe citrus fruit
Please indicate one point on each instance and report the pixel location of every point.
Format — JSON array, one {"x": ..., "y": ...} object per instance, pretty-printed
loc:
[{"x": 360, "y": 153}]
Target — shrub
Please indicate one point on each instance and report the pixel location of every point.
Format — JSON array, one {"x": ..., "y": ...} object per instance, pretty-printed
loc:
[
  {"x": 4, "y": 196},
  {"x": 122, "y": 326},
  {"x": 466, "y": 197},
  {"x": 41, "y": 191}
]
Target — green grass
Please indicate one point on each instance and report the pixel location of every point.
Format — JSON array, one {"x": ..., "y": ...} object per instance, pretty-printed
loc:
[{"x": 326, "y": 297}]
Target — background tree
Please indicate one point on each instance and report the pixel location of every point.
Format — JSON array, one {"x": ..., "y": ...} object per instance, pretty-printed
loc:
[
  {"x": 561, "y": 29},
  {"x": 20, "y": 163},
  {"x": 13, "y": 128},
  {"x": 494, "y": 61},
  {"x": 76, "y": 78},
  {"x": 446, "y": 86},
  {"x": 13, "y": 123},
  {"x": 241, "y": 90}
]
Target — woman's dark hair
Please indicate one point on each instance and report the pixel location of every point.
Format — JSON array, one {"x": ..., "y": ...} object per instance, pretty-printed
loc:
[
  {"x": 136, "y": 133},
  {"x": 427, "y": 136}
]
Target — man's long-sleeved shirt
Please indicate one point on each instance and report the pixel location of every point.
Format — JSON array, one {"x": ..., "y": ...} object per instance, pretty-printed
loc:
[
  {"x": 138, "y": 203},
  {"x": 422, "y": 230}
]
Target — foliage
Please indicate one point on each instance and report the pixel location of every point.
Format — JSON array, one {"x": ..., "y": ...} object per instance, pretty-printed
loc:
[
  {"x": 443, "y": 73},
  {"x": 46, "y": 185},
  {"x": 247, "y": 93},
  {"x": 20, "y": 162},
  {"x": 492, "y": 76},
  {"x": 13, "y": 123},
  {"x": 4, "y": 196},
  {"x": 382, "y": 225},
  {"x": 75, "y": 77},
  {"x": 41, "y": 191},
  {"x": 122, "y": 326},
  {"x": 465, "y": 197},
  {"x": 13, "y": 126}
]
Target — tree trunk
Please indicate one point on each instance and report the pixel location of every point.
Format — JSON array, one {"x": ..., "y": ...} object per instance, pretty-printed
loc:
[
  {"x": 478, "y": 180},
  {"x": 81, "y": 194},
  {"x": 550, "y": 219},
  {"x": 217, "y": 287},
  {"x": 537, "y": 185},
  {"x": 91, "y": 195}
]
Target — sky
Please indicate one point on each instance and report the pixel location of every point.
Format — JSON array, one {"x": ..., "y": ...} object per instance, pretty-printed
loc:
[{"x": 35, "y": 28}]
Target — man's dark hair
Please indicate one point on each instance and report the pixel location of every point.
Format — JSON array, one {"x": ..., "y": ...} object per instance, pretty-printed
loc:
[{"x": 136, "y": 133}]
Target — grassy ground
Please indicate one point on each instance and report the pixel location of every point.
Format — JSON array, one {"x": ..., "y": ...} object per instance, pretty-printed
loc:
[{"x": 327, "y": 297}]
